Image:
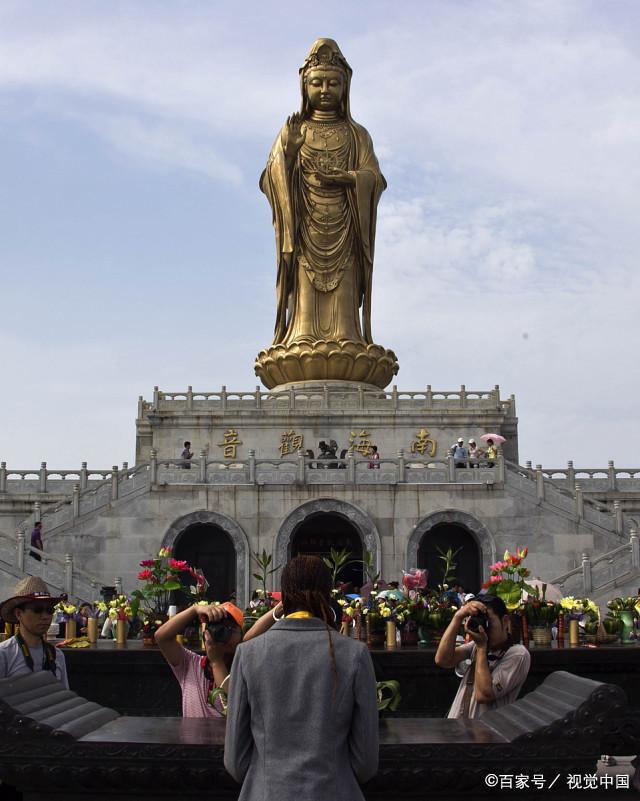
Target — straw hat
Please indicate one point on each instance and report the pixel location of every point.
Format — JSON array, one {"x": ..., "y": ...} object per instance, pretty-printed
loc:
[{"x": 30, "y": 588}]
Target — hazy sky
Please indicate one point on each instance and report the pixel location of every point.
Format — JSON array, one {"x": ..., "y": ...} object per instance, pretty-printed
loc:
[{"x": 136, "y": 248}]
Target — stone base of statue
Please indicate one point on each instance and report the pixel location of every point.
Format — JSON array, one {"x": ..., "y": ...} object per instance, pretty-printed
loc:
[{"x": 326, "y": 360}]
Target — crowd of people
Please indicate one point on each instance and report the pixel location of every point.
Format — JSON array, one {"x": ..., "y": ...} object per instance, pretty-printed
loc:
[{"x": 470, "y": 455}]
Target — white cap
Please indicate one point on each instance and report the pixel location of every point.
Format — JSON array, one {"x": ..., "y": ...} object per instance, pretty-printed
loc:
[
  {"x": 460, "y": 439},
  {"x": 472, "y": 442}
]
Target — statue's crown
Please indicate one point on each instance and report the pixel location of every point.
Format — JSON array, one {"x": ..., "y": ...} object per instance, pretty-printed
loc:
[{"x": 326, "y": 53}]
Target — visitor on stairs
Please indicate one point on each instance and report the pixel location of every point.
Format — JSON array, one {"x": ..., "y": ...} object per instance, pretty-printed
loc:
[
  {"x": 31, "y": 606},
  {"x": 36, "y": 541}
]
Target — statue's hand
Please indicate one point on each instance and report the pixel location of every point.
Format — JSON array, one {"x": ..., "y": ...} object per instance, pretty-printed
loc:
[
  {"x": 336, "y": 178},
  {"x": 293, "y": 135}
]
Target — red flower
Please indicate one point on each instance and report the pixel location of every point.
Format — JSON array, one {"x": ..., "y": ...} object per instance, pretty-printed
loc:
[
  {"x": 178, "y": 564},
  {"x": 147, "y": 563},
  {"x": 144, "y": 575}
]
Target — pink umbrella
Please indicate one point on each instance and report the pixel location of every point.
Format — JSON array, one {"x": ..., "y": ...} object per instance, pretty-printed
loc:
[{"x": 497, "y": 438}]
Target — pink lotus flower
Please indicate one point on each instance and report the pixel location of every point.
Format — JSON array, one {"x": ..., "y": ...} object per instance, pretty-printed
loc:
[
  {"x": 147, "y": 563},
  {"x": 178, "y": 564},
  {"x": 145, "y": 575},
  {"x": 415, "y": 579}
]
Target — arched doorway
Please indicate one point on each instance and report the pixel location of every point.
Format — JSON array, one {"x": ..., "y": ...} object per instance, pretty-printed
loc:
[
  {"x": 436, "y": 541},
  {"x": 208, "y": 547},
  {"x": 320, "y": 532}
]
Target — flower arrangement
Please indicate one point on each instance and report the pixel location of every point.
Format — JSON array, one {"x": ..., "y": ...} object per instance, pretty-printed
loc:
[
  {"x": 261, "y": 603},
  {"x": 507, "y": 579},
  {"x": 162, "y": 576},
  {"x": 580, "y": 608},
  {"x": 541, "y": 613},
  {"x": 66, "y": 611},
  {"x": 628, "y": 604},
  {"x": 123, "y": 608}
]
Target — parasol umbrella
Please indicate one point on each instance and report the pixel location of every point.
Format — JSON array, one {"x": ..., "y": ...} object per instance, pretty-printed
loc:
[
  {"x": 553, "y": 594},
  {"x": 497, "y": 438}
]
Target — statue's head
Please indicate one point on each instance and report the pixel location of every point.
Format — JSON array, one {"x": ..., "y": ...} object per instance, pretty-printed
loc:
[{"x": 325, "y": 78}]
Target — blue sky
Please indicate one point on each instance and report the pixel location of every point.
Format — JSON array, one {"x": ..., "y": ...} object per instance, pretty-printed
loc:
[{"x": 136, "y": 248}]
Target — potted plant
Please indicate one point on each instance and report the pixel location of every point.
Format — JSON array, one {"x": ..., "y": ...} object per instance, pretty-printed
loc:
[
  {"x": 67, "y": 613},
  {"x": 540, "y": 615},
  {"x": 507, "y": 581},
  {"x": 122, "y": 610}
]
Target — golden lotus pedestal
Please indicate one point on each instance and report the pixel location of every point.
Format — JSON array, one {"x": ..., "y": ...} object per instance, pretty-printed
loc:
[{"x": 326, "y": 360}]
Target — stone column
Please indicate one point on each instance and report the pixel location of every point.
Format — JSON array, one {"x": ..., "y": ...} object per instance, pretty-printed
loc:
[
  {"x": 3, "y": 476},
  {"x": 117, "y": 583},
  {"x": 189, "y": 397},
  {"x": 83, "y": 476},
  {"x": 351, "y": 468},
  {"x": 20, "y": 550},
  {"x": 579, "y": 502},
  {"x": 540, "y": 488},
  {"x": 68, "y": 574},
  {"x": 301, "y": 466},
  {"x": 635, "y": 548},
  {"x": 75, "y": 501},
  {"x": 252, "y": 467},
  {"x": 451, "y": 466},
  {"x": 36, "y": 512},
  {"x": 402, "y": 467},
  {"x": 202, "y": 461},
  {"x": 153, "y": 465},
  {"x": 618, "y": 517},
  {"x": 43, "y": 477},
  {"x": 611, "y": 470},
  {"x": 571, "y": 475},
  {"x": 586, "y": 574},
  {"x": 114, "y": 482}
]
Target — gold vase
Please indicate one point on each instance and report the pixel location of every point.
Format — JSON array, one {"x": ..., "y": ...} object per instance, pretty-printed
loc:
[
  {"x": 541, "y": 636},
  {"x": 390, "y": 628},
  {"x": 345, "y": 628},
  {"x": 70, "y": 629},
  {"x": 92, "y": 629},
  {"x": 121, "y": 632},
  {"x": 574, "y": 633}
]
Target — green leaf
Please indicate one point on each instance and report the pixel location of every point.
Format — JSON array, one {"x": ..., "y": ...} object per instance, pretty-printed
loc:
[
  {"x": 257, "y": 576},
  {"x": 172, "y": 585}
]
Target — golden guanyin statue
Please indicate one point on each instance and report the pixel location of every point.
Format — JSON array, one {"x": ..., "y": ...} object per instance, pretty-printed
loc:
[{"x": 323, "y": 182}]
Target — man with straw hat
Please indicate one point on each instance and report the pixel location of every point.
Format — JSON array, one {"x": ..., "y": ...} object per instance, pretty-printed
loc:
[{"x": 31, "y": 606}]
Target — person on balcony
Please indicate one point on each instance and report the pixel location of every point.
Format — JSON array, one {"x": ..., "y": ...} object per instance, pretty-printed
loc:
[
  {"x": 186, "y": 456},
  {"x": 460, "y": 453}
]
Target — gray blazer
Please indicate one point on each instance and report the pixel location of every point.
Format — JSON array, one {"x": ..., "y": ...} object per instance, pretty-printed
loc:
[{"x": 285, "y": 737}]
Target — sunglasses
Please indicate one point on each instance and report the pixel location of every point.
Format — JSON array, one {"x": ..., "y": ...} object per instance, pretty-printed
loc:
[{"x": 40, "y": 609}]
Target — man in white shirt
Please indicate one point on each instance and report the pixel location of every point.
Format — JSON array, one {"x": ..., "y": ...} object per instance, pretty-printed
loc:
[
  {"x": 494, "y": 669},
  {"x": 31, "y": 606}
]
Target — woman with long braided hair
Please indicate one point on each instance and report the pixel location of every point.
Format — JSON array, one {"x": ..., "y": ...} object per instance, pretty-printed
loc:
[{"x": 302, "y": 720}]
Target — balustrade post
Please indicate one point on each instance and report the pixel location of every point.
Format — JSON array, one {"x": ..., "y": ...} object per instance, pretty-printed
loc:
[
  {"x": 252, "y": 467},
  {"x": 571, "y": 475},
  {"x": 292, "y": 398},
  {"x": 539, "y": 483},
  {"x": 20, "y": 550},
  {"x": 635, "y": 548},
  {"x": 586, "y": 574},
  {"x": 611, "y": 475},
  {"x": 402, "y": 467},
  {"x": 360, "y": 398},
  {"x": 325, "y": 393},
  {"x": 84, "y": 478},
  {"x": 114, "y": 482},
  {"x": 301, "y": 459},
  {"x": 258, "y": 396},
  {"x": 189, "y": 397},
  {"x": 463, "y": 396},
  {"x": 223, "y": 398},
  {"x": 351, "y": 468},
  {"x": 528, "y": 465},
  {"x": 153, "y": 464},
  {"x": 502, "y": 472},
  {"x": 451, "y": 467},
  {"x": 203, "y": 466},
  {"x": 512, "y": 403},
  {"x": 125, "y": 467},
  {"x": 75, "y": 501},
  {"x": 579, "y": 502},
  {"x": 37, "y": 512},
  {"x": 140, "y": 406},
  {"x": 428, "y": 398},
  {"x": 117, "y": 583},
  {"x": 496, "y": 395},
  {"x": 68, "y": 574},
  {"x": 43, "y": 477},
  {"x": 156, "y": 397},
  {"x": 3, "y": 476},
  {"x": 618, "y": 517},
  {"x": 394, "y": 396}
]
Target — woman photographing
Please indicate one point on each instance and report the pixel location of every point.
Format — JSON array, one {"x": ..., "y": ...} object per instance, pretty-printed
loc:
[{"x": 302, "y": 720}]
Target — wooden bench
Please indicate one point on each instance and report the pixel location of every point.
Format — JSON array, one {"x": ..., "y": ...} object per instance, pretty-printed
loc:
[{"x": 56, "y": 745}]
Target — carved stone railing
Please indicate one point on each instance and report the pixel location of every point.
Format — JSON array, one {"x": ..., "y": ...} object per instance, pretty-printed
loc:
[
  {"x": 60, "y": 573},
  {"x": 594, "y": 479},
  {"x": 306, "y": 471},
  {"x": 328, "y": 397},
  {"x": 44, "y": 479},
  {"x": 603, "y": 572}
]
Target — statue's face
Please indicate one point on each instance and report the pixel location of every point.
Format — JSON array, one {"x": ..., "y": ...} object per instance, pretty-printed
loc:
[{"x": 325, "y": 89}]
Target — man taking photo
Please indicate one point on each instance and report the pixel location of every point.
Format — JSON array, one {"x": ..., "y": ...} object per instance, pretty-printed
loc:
[{"x": 493, "y": 669}]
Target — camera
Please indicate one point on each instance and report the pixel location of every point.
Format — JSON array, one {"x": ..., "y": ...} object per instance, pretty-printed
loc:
[
  {"x": 475, "y": 621},
  {"x": 222, "y": 630}
]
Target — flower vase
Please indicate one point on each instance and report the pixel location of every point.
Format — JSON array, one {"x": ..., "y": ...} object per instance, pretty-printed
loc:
[
  {"x": 626, "y": 616},
  {"x": 375, "y": 634},
  {"x": 70, "y": 629},
  {"x": 390, "y": 632},
  {"x": 345, "y": 628},
  {"x": 121, "y": 632},
  {"x": 541, "y": 636},
  {"x": 92, "y": 629},
  {"x": 574, "y": 633},
  {"x": 409, "y": 634}
]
